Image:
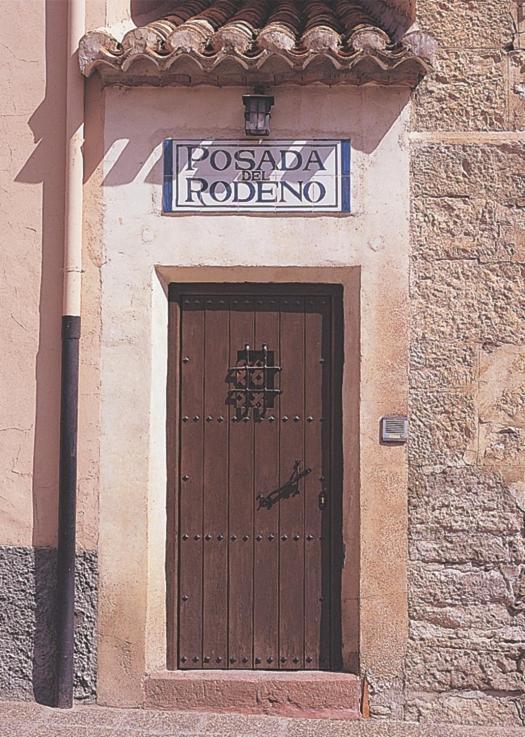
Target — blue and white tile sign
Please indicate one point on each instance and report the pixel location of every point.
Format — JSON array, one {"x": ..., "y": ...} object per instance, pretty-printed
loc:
[{"x": 245, "y": 176}]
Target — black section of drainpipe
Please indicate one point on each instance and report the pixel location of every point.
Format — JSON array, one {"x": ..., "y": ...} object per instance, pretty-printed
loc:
[{"x": 67, "y": 503}]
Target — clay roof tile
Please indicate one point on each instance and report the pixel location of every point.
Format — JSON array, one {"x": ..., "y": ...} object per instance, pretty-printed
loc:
[{"x": 341, "y": 34}]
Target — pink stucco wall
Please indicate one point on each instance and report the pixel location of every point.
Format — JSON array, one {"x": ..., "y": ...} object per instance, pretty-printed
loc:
[
  {"x": 32, "y": 175},
  {"x": 31, "y": 222}
]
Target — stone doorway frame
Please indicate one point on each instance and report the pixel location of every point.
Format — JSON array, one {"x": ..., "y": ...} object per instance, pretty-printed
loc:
[{"x": 374, "y": 506}]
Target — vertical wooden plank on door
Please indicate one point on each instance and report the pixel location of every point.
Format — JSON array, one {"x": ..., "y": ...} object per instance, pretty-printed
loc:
[
  {"x": 317, "y": 457},
  {"x": 241, "y": 494},
  {"x": 291, "y": 540},
  {"x": 334, "y": 523},
  {"x": 191, "y": 483},
  {"x": 215, "y": 461},
  {"x": 266, "y": 454},
  {"x": 172, "y": 506}
]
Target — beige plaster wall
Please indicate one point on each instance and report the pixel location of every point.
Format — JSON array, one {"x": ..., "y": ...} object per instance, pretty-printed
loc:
[{"x": 142, "y": 250}]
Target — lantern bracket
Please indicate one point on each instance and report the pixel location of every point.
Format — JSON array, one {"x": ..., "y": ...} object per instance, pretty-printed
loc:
[{"x": 257, "y": 114}]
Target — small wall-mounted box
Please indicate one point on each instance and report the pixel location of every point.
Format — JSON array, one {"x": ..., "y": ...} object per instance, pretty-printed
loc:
[{"x": 394, "y": 429}]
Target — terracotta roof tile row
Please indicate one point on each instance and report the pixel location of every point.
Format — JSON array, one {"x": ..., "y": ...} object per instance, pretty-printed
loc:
[{"x": 266, "y": 40}]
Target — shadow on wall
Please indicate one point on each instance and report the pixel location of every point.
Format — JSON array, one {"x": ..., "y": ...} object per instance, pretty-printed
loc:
[
  {"x": 131, "y": 152},
  {"x": 144, "y": 11},
  {"x": 46, "y": 166}
]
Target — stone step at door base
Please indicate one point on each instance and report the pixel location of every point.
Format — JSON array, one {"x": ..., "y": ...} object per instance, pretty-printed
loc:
[{"x": 311, "y": 694}]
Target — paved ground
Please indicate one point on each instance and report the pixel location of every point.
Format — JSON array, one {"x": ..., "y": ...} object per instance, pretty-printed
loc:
[{"x": 19, "y": 719}]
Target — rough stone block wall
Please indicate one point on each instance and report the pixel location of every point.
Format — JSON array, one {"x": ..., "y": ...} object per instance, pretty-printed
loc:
[
  {"x": 27, "y": 624},
  {"x": 466, "y": 655}
]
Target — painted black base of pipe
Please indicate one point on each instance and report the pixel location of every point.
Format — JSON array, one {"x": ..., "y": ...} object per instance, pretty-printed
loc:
[{"x": 67, "y": 503}]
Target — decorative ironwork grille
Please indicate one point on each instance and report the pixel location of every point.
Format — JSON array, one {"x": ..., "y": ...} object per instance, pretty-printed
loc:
[{"x": 253, "y": 379}]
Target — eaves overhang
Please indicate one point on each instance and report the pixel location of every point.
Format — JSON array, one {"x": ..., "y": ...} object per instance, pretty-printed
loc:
[{"x": 260, "y": 42}]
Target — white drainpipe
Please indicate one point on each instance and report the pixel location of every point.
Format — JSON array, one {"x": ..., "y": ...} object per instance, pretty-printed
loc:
[{"x": 74, "y": 161}]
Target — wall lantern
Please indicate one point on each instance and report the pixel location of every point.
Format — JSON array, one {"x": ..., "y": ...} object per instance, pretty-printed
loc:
[{"x": 257, "y": 114}]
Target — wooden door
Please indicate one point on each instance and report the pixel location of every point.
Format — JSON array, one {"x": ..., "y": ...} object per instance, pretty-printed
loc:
[{"x": 255, "y": 472}]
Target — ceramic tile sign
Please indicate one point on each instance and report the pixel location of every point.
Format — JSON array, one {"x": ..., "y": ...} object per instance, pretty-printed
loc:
[{"x": 246, "y": 176}]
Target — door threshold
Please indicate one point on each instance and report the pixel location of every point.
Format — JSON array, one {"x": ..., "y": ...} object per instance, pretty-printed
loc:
[{"x": 301, "y": 694}]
